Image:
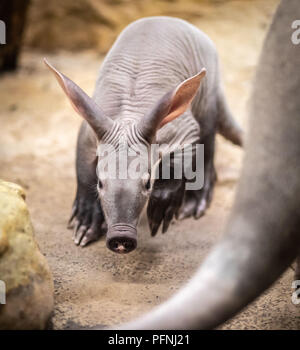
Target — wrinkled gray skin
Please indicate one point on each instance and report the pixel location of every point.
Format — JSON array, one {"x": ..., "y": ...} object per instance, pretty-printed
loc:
[
  {"x": 262, "y": 237},
  {"x": 144, "y": 84}
]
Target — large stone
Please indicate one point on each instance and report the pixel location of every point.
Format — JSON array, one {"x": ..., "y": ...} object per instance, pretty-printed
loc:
[{"x": 23, "y": 269}]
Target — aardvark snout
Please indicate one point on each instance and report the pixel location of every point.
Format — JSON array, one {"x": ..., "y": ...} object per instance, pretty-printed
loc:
[{"x": 121, "y": 238}]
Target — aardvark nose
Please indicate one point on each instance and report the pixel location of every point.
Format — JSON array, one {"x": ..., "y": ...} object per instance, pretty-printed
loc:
[{"x": 121, "y": 238}]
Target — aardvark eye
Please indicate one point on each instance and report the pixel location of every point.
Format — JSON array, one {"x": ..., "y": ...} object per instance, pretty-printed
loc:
[
  {"x": 147, "y": 181},
  {"x": 100, "y": 184},
  {"x": 148, "y": 184}
]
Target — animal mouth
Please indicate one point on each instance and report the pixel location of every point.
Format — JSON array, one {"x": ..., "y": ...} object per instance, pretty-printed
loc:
[{"x": 121, "y": 238}]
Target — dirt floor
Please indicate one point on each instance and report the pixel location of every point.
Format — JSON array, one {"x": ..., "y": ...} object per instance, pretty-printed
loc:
[{"x": 93, "y": 286}]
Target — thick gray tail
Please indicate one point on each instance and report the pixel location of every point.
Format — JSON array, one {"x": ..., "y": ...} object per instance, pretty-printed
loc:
[{"x": 227, "y": 126}]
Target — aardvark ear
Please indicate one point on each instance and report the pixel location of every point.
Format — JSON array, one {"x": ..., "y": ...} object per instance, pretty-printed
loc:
[
  {"x": 171, "y": 105},
  {"x": 82, "y": 103}
]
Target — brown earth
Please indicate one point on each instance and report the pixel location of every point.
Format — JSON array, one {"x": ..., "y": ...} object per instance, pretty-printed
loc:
[{"x": 94, "y": 286}]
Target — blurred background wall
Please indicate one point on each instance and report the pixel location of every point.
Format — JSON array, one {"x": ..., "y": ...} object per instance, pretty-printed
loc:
[
  {"x": 77, "y": 25},
  {"x": 85, "y": 24}
]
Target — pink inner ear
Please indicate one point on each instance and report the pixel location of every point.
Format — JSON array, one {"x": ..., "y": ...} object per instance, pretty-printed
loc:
[
  {"x": 184, "y": 95},
  {"x": 173, "y": 115},
  {"x": 63, "y": 82},
  {"x": 75, "y": 107}
]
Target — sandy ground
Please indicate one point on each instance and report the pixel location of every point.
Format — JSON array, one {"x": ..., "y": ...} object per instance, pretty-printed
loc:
[{"x": 94, "y": 286}]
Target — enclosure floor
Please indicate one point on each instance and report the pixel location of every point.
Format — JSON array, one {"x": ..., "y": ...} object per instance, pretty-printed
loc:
[{"x": 93, "y": 286}]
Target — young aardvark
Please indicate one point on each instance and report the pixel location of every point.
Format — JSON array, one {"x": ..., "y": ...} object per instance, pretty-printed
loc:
[{"x": 159, "y": 84}]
